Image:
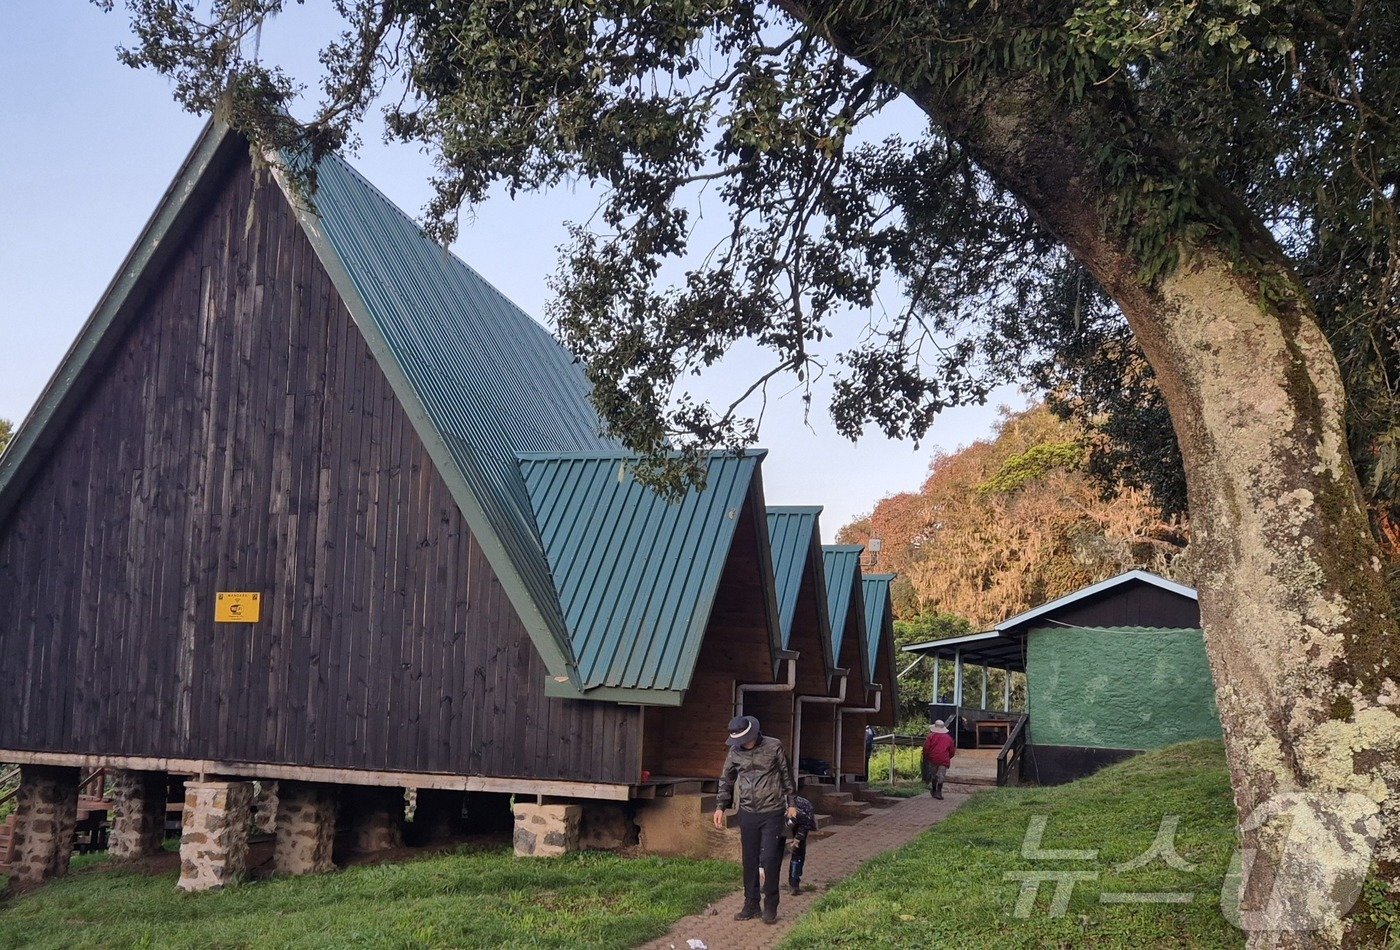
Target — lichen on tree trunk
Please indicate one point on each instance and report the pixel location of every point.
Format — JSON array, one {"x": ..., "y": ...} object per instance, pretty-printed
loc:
[{"x": 1299, "y": 627}]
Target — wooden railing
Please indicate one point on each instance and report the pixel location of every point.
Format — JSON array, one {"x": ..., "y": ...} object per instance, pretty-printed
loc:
[
  {"x": 6, "y": 779},
  {"x": 1009, "y": 758},
  {"x": 94, "y": 786}
]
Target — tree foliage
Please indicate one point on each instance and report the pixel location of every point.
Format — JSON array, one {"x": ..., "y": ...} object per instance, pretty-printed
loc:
[
  {"x": 7, "y": 432},
  {"x": 1012, "y": 522},
  {"x": 1288, "y": 105}
]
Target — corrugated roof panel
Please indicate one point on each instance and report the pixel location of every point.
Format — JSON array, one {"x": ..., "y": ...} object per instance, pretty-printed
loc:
[
  {"x": 790, "y": 532},
  {"x": 878, "y": 608},
  {"x": 636, "y": 574},
  {"x": 843, "y": 571},
  {"x": 491, "y": 380}
]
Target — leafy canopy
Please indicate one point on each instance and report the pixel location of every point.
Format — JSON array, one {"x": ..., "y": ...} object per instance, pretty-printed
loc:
[{"x": 1220, "y": 119}]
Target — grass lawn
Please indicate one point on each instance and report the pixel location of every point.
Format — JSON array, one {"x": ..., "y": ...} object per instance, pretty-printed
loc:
[
  {"x": 949, "y": 886},
  {"x": 473, "y": 898}
]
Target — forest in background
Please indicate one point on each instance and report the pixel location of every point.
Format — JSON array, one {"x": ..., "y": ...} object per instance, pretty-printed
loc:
[{"x": 1003, "y": 525}]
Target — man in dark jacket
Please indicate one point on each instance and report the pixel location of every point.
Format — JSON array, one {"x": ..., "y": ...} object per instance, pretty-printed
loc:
[{"x": 757, "y": 774}]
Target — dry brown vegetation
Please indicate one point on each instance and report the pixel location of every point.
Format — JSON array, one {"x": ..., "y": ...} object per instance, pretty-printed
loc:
[{"x": 1007, "y": 523}]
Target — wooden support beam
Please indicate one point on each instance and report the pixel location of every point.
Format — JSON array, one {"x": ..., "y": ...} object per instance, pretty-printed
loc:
[{"x": 307, "y": 773}]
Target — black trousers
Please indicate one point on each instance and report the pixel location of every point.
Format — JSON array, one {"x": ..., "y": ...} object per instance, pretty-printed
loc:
[
  {"x": 798, "y": 859},
  {"x": 761, "y": 834}
]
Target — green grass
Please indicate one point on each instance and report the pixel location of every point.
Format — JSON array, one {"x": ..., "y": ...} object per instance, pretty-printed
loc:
[
  {"x": 473, "y": 898},
  {"x": 948, "y": 887}
]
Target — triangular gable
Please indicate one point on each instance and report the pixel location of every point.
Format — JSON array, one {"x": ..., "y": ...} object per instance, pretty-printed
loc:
[
  {"x": 637, "y": 574},
  {"x": 199, "y": 175},
  {"x": 879, "y": 632},
  {"x": 1121, "y": 580},
  {"x": 792, "y": 533},
  {"x": 479, "y": 378},
  {"x": 449, "y": 344},
  {"x": 845, "y": 605}
]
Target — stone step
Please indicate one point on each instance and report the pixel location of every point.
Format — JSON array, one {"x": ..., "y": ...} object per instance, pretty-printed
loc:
[{"x": 830, "y": 799}]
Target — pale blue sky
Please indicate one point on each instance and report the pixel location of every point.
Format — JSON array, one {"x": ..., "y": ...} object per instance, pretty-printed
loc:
[{"x": 87, "y": 147}]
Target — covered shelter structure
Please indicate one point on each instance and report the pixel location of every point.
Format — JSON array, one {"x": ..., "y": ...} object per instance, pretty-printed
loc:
[
  {"x": 1110, "y": 670},
  {"x": 807, "y": 663},
  {"x": 881, "y": 692},
  {"x": 310, "y": 502},
  {"x": 816, "y": 749}
]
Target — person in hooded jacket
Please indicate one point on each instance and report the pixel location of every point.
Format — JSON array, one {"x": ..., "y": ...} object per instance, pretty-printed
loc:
[{"x": 757, "y": 776}]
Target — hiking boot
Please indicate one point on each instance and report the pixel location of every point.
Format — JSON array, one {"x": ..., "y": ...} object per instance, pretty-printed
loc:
[
  {"x": 938, "y": 791},
  {"x": 749, "y": 912},
  {"x": 770, "y": 915},
  {"x": 795, "y": 889}
]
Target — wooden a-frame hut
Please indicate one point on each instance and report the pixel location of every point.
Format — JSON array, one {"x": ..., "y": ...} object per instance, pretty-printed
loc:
[{"x": 310, "y": 501}]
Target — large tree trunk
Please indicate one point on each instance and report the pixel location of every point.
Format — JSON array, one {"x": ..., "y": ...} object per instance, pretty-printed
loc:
[{"x": 1299, "y": 625}]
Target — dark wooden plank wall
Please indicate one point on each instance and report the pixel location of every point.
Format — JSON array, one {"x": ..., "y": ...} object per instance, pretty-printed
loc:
[
  {"x": 853, "y": 744},
  {"x": 884, "y": 676},
  {"x": 688, "y": 740},
  {"x": 243, "y": 438},
  {"x": 777, "y": 711},
  {"x": 1134, "y": 604}
]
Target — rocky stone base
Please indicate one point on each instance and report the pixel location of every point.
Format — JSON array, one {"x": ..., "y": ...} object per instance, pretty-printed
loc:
[
  {"x": 375, "y": 817},
  {"x": 305, "y": 828},
  {"x": 546, "y": 831},
  {"x": 265, "y": 807},
  {"x": 437, "y": 819},
  {"x": 214, "y": 845},
  {"x": 138, "y": 813},
  {"x": 46, "y": 811},
  {"x": 606, "y": 826}
]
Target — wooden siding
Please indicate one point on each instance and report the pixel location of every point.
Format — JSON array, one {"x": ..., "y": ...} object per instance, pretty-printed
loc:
[
  {"x": 1134, "y": 604},
  {"x": 241, "y": 437},
  {"x": 688, "y": 740},
  {"x": 853, "y": 744}
]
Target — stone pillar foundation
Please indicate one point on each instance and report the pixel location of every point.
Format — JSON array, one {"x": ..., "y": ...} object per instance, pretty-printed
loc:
[
  {"x": 214, "y": 845},
  {"x": 546, "y": 831},
  {"x": 46, "y": 813},
  {"x": 305, "y": 828},
  {"x": 375, "y": 818},
  {"x": 138, "y": 813},
  {"x": 265, "y": 807}
]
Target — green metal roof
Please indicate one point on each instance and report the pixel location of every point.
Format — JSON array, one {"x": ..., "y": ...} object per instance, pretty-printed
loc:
[
  {"x": 481, "y": 382},
  {"x": 636, "y": 574},
  {"x": 878, "y": 611},
  {"x": 795, "y": 537},
  {"x": 480, "y": 378},
  {"x": 845, "y": 603}
]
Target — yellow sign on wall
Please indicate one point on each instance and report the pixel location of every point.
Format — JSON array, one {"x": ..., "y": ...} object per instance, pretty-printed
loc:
[{"x": 237, "y": 607}]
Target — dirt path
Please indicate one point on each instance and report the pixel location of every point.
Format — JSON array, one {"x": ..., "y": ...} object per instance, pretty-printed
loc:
[{"x": 828, "y": 861}]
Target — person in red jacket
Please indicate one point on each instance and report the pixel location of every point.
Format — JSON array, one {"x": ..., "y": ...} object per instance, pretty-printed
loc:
[{"x": 938, "y": 755}]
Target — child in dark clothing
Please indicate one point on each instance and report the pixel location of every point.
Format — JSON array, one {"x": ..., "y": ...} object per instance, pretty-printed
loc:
[{"x": 797, "y": 830}]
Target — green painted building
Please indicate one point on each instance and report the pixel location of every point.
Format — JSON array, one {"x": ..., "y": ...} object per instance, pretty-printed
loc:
[{"x": 1111, "y": 670}]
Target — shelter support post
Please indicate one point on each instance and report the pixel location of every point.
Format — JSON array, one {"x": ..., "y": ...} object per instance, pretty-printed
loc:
[
  {"x": 138, "y": 813},
  {"x": 376, "y": 818},
  {"x": 305, "y": 828},
  {"x": 214, "y": 842},
  {"x": 46, "y": 812},
  {"x": 546, "y": 831},
  {"x": 986, "y": 672},
  {"x": 936, "y": 678},
  {"x": 1006, "y": 690}
]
